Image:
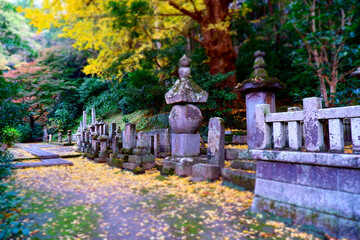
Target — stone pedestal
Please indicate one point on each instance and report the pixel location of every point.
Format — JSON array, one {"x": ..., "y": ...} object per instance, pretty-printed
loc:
[
  {"x": 185, "y": 145},
  {"x": 103, "y": 154}
]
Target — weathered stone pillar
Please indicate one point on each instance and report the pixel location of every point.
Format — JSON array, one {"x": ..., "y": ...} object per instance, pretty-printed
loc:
[
  {"x": 185, "y": 120},
  {"x": 314, "y": 136},
  {"x": 60, "y": 136},
  {"x": 262, "y": 130},
  {"x": 84, "y": 119},
  {"x": 93, "y": 116},
  {"x": 259, "y": 89},
  {"x": 129, "y": 140},
  {"x": 355, "y": 134},
  {"x": 69, "y": 136},
  {"x": 216, "y": 142},
  {"x": 46, "y": 136}
]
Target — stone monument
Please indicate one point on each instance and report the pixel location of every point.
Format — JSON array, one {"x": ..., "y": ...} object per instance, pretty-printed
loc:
[
  {"x": 185, "y": 120},
  {"x": 259, "y": 89}
]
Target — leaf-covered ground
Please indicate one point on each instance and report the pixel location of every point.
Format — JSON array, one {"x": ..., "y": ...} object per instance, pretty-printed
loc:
[{"x": 95, "y": 201}]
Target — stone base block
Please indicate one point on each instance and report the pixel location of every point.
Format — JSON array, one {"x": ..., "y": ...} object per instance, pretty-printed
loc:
[
  {"x": 182, "y": 165},
  {"x": 147, "y": 166},
  {"x": 168, "y": 168},
  {"x": 100, "y": 160},
  {"x": 115, "y": 162},
  {"x": 104, "y": 154},
  {"x": 122, "y": 157},
  {"x": 131, "y": 166},
  {"x": 243, "y": 165},
  {"x": 141, "y": 151},
  {"x": 141, "y": 159},
  {"x": 206, "y": 171},
  {"x": 185, "y": 145},
  {"x": 239, "y": 178},
  {"x": 163, "y": 155}
]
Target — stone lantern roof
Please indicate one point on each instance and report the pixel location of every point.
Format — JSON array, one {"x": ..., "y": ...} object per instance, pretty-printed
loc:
[
  {"x": 185, "y": 90},
  {"x": 259, "y": 80}
]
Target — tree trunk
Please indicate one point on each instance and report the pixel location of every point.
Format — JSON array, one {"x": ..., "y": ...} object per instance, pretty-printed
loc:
[
  {"x": 217, "y": 42},
  {"x": 32, "y": 125}
]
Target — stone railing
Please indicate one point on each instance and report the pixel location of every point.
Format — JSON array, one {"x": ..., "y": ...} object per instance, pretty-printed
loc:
[
  {"x": 279, "y": 130},
  {"x": 311, "y": 186}
]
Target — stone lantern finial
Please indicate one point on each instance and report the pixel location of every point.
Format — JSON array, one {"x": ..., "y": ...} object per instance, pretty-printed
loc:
[{"x": 259, "y": 65}]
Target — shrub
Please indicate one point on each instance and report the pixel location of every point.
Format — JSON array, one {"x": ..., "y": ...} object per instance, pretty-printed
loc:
[
  {"x": 10, "y": 135},
  {"x": 10, "y": 224}
]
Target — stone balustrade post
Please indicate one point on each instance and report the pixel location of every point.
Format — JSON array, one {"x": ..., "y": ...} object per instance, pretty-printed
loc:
[
  {"x": 314, "y": 136},
  {"x": 263, "y": 134}
]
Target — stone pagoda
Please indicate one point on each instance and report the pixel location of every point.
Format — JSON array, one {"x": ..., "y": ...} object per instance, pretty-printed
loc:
[
  {"x": 185, "y": 120},
  {"x": 259, "y": 89}
]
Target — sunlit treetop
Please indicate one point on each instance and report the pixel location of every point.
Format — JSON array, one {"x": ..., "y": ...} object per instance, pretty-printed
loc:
[{"x": 115, "y": 27}]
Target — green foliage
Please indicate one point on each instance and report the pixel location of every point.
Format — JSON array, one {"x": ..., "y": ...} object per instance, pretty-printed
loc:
[
  {"x": 10, "y": 202},
  {"x": 11, "y": 113},
  {"x": 10, "y": 135},
  {"x": 25, "y": 132},
  {"x": 141, "y": 90}
]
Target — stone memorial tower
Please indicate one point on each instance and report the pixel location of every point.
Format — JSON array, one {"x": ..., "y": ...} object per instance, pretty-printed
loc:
[
  {"x": 185, "y": 120},
  {"x": 259, "y": 89}
]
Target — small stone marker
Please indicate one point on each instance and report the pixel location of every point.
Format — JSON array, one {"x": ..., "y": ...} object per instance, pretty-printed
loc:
[
  {"x": 93, "y": 116},
  {"x": 84, "y": 119},
  {"x": 216, "y": 142},
  {"x": 60, "y": 136},
  {"x": 130, "y": 136},
  {"x": 69, "y": 136}
]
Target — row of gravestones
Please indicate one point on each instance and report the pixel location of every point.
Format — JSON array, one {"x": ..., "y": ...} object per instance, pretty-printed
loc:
[
  {"x": 137, "y": 151},
  {"x": 125, "y": 149}
]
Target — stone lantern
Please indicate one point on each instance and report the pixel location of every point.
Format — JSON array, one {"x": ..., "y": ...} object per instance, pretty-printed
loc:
[
  {"x": 185, "y": 119},
  {"x": 259, "y": 89}
]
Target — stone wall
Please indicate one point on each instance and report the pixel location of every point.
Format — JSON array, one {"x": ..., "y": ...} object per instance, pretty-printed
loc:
[{"x": 326, "y": 196}]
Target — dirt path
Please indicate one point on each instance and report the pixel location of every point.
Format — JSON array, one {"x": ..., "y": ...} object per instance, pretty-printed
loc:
[{"x": 95, "y": 201}]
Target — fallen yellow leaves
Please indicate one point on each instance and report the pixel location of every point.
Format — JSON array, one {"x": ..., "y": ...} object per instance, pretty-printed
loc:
[{"x": 150, "y": 206}]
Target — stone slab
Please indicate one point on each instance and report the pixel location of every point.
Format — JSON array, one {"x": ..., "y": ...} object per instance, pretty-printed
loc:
[
  {"x": 44, "y": 163},
  {"x": 41, "y": 153},
  {"x": 311, "y": 158}
]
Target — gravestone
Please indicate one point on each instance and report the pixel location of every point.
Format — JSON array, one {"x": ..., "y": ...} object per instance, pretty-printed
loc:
[
  {"x": 216, "y": 142},
  {"x": 185, "y": 119},
  {"x": 60, "y": 136},
  {"x": 69, "y": 136},
  {"x": 129, "y": 140}
]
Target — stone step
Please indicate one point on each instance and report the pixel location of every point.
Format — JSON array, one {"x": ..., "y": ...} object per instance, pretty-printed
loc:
[
  {"x": 241, "y": 178},
  {"x": 243, "y": 164}
]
